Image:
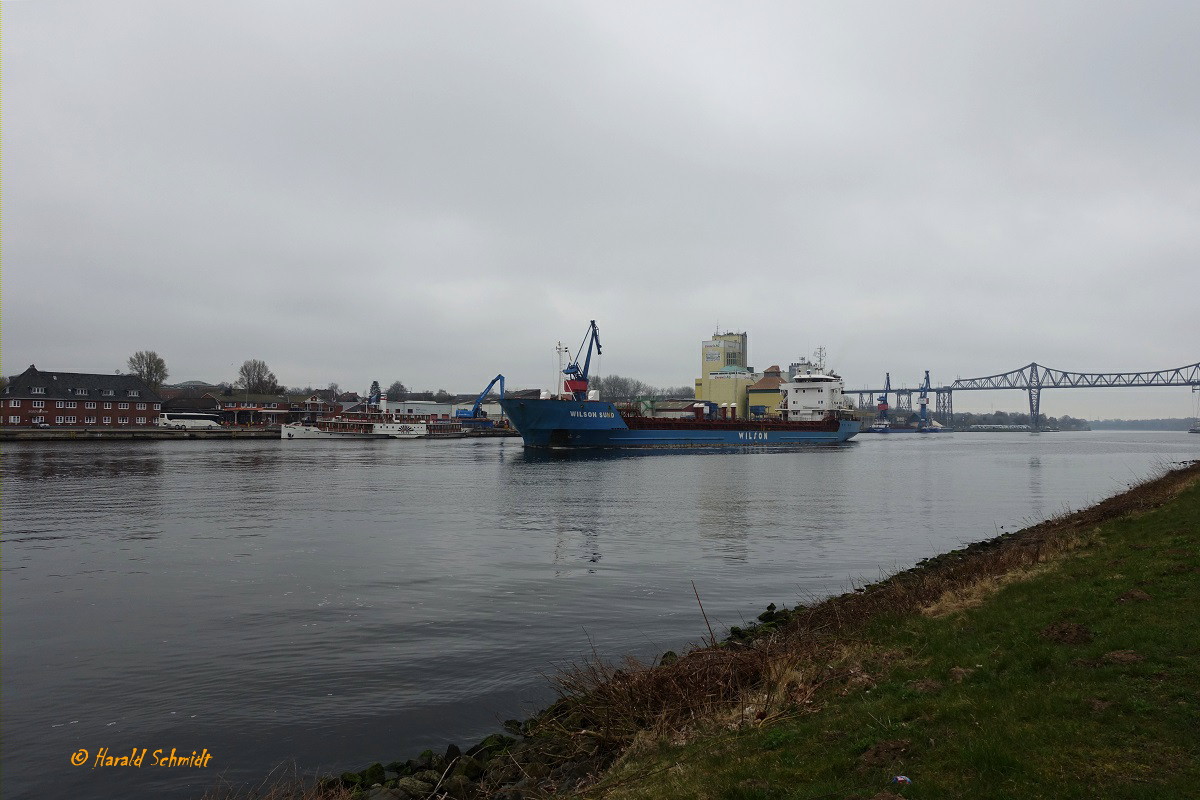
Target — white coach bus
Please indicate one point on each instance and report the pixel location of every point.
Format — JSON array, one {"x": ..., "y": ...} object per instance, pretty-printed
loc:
[{"x": 182, "y": 420}]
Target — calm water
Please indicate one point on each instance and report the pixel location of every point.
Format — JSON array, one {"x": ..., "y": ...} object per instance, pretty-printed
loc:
[{"x": 347, "y": 602}]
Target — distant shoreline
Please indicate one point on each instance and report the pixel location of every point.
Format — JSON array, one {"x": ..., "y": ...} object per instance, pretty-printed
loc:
[{"x": 65, "y": 434}]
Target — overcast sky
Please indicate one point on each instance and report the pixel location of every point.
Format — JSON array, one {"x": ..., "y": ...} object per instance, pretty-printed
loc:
[{"x": 437, "y": 192}]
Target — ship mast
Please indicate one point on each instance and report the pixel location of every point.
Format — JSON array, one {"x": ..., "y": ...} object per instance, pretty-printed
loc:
[{"x": 563, "y": 351}]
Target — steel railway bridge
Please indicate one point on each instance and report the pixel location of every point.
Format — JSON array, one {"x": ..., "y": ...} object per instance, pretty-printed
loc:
[{"x": 1033, "y": 378}]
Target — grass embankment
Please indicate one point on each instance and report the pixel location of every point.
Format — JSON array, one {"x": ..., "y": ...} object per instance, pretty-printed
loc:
[
  {"x": 1073, "y": 675},
  {"x": 1058, "y": 662}
]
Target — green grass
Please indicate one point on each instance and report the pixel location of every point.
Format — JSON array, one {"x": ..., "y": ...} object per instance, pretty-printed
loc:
[{"x": 1033, "y": 718}]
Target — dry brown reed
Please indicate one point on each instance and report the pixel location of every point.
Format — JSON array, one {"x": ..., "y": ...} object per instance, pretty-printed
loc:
[{"x": 285, "y": 782}]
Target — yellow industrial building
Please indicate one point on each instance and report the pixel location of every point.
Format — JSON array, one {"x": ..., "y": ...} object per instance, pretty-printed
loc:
[
  {"x": 725, "y": 376},
  {"x": 764, "y": 393}
]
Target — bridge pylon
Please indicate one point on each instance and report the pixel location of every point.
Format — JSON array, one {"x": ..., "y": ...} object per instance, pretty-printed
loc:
[
  {"x": 1035, "y": 396},
  {"x": 945, "y": 406}
]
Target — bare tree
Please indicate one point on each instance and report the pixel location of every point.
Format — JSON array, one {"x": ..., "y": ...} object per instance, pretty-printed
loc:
[
  {"x": 617, "y": 387},
  {"x": 256, "y": 378},
  {"x": 150, "y": 367}
]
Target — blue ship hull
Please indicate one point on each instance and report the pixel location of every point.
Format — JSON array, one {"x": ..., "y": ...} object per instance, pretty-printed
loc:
[{"x": 593, "y": 423}]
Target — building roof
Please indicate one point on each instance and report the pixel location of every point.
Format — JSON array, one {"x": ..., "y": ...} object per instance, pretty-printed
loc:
[
  {"x": 66, "y": 384},
  {"x": 191, "y": 402},
  {"x": 189, "y": 392},
  {"x": 676, "y": 405},
  {"x": 249, "y": 399},
  {"x": 522, "y": 394},
  {"x": 768, "y": 383}
]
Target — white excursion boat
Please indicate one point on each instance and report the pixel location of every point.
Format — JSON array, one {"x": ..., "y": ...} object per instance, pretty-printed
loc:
[{"x": 373, "y": 425}]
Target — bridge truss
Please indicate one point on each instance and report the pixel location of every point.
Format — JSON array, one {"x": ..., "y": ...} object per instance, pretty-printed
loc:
[{"x": 1034, "y": 377}]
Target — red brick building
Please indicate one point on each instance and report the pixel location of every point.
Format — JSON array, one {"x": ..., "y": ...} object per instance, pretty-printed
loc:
[{"x": 80, "y": 399}]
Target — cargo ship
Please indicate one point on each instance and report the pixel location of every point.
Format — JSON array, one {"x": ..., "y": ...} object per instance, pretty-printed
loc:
[{"x": 811, "y": 412}]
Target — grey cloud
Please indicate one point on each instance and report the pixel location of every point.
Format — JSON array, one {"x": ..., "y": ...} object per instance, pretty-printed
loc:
[{"x": 439, "y": 192}]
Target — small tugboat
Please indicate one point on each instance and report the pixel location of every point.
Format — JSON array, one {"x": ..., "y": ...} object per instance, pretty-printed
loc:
[{"x": 811, "y": 407}]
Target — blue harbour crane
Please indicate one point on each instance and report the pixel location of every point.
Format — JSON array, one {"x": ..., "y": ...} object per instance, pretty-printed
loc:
[
  {"x": 577, "y": 379},
  {"x": 882, "y": 406},
  {"x": 475, "y": 417},
  {"x": 924, "y": 422}
]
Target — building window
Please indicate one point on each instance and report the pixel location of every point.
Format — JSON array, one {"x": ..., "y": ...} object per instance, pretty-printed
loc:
[
  {"x": 71, "y": 404},
  {"x": 70, "y": 420},
  {"x": 58, "y": 420},
  {"x": 14, "y": 403},
  {"x": 158, "y": 406},
  {"x": 37, "y": 390},
  {"x": 90, "y": 404},
  {"x": 89, "y": 420},
  {"x": 14, "y": 420},
  {"x": 108, "y": 420},
  {"x": 38, "y": 420},
  {"x": 81, "y": 392},
  {"x": 122, "y": 420},
  {"x": 123, "y": 406},
  {"x": 106, "y": 393},
  {"x": 141, "y": 420},
  {"x": 60, "y": 403},
  {"x": 39, "y": 403},
  {"x": 141, "y": 406},
  {"x": 132, "y": 393},
  {"x": 107, "y": 406}
]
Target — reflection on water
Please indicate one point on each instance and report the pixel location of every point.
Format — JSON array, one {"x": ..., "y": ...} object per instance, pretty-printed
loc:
[
  {"x": 722, "y": 500},
  {"x": 346, "y": 602},
  {"x": 1036, "y": 495},
  {"x": 93, "y": 490},
  {"x": 58, "y": 462}
]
